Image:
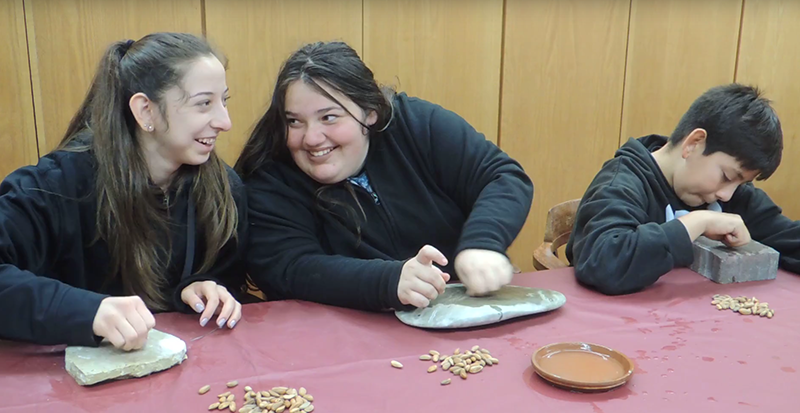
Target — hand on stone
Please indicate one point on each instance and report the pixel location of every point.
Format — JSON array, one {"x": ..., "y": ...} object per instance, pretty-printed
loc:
[
  {"x": 421, "y": 281},
  {"x": 213, "y": 294},
  {"x": 483, "y": 271},
  {"x": 719, "y": 226},
  {"x": 123, "y": 321},
  {"x": 728, "y": 228}
]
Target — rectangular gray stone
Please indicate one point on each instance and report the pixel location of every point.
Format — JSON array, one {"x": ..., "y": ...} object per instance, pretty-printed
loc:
[
  {"x": 90, "y": 365},
  {"x": 722, "y": 264}
]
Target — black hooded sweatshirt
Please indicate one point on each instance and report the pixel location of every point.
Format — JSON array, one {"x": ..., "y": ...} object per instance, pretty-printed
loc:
[
  {"x": 622, "y": 240},
  {"x": 53, "y": 271},
  {"x": 436, "y": 181}
]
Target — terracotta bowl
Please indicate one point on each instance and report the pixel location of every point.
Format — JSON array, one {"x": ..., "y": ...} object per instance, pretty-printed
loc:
[{"x": 582, "y": 366}]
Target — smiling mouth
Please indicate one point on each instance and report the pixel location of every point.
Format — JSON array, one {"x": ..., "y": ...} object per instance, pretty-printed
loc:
[
  {"x": 207, "y": 141},
  {"x": 317, "y": 154}
]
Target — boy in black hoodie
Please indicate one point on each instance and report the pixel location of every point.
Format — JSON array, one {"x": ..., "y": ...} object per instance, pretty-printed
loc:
[{"x": 641, "y": 213}]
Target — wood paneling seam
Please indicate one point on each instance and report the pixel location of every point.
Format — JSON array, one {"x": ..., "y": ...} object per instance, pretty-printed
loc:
[
  {"x": 739, "y": 43},
  {"x": 36, "y": 87},
  {"x": 502, "y": 67},
  {"x": 203, "y": 18},
  {"x": 625, "y": 75},
  {"x": 30, "y": 79}
]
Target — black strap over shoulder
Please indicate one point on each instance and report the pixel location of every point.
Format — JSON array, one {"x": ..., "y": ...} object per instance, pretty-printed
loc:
[{"x": 190, "y": 239}]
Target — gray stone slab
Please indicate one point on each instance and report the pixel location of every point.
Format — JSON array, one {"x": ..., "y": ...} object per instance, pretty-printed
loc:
[
  {"x": 90, "y": 365},
  {"x": 722, "y": 264},
  {"x": 455, "y": 309}
]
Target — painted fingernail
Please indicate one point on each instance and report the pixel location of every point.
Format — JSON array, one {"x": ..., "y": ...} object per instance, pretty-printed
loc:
[
  {"x": 233, "y": 323},
  {"x": 203, "y": 322},
  {"x": 221, "y": 322},
  {"x": 199, "y": 307}
]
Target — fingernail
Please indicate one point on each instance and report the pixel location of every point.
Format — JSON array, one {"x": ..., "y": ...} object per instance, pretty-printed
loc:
[
  {"x": 199, "y": 307},
  {"x": 221, "y": 322},
  {"x": 203, "y": 322},
  {"x": 233, "y": 323}
]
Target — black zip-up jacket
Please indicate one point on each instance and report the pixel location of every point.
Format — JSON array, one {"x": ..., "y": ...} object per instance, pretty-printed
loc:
[
  {"x": 437, "y": 182},
  {"x": 53, "y": 276}
]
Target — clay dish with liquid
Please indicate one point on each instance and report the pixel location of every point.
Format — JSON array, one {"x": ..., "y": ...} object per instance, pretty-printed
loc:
[{"x": 583, "y": 366}]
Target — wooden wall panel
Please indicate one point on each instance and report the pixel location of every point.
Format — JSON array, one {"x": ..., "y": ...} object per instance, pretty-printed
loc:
[
  {"x": 17, "y": 130},
  {"x": 563, "y": 72},
  {"x": 559, "y": 88},
  {"x": 68, "y": 37},
  {"x": 769, "y": 56},
  {"x": 257, "y": 36},
  {"x": 444, "y": 51},
  {"x": 677, "y": 50}
]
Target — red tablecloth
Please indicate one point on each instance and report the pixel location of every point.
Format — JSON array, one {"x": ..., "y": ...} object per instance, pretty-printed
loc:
[{"x": 689, "y": 357}]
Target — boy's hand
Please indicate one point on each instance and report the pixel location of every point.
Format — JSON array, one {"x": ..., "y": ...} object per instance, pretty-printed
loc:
[{"x": 720, "y": 226}]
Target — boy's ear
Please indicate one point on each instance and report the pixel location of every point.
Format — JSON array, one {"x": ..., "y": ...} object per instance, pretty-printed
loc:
[{"x": 695, "y": 141}]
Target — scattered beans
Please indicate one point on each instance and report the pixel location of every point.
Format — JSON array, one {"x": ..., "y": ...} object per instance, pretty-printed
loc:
[
  {"x": 275, "y": 400},
  {"x": 742, "y": 305},
  {"x": 473, "y": 361}
]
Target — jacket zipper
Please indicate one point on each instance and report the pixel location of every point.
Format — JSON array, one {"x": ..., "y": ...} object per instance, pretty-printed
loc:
[
  {"x": 387, "y": 218},
  {"x": 166, "y": 202}
]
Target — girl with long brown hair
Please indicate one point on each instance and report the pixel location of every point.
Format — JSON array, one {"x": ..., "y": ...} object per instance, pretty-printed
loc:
[{"x": 133, "y": 212}]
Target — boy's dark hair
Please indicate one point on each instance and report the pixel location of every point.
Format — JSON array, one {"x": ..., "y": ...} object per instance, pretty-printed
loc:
[{"x": 739, "y": 122}]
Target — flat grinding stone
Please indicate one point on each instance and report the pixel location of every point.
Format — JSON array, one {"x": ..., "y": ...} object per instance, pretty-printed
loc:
[
  {"x": 90, "y": 365},
  {"x": 455, "y": 309}
]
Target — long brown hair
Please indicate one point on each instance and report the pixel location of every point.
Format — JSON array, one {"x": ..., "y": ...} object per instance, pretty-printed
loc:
[{"x": 129, "y": 217}]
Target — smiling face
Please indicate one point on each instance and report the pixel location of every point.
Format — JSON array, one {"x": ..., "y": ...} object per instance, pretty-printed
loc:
[
  {"x": 325, "y": 141},
  {"x": 196, "y": 112}
]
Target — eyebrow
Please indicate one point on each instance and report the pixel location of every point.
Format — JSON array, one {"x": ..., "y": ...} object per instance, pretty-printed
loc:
[
  {"x": 318, "y": 112},
  {"x": 738, "y": 173},
  {"x": 206, "y": 93}
]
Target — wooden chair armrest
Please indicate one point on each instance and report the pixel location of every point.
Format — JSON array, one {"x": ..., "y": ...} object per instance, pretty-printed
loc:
[{"x": 544, "y": 259}]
